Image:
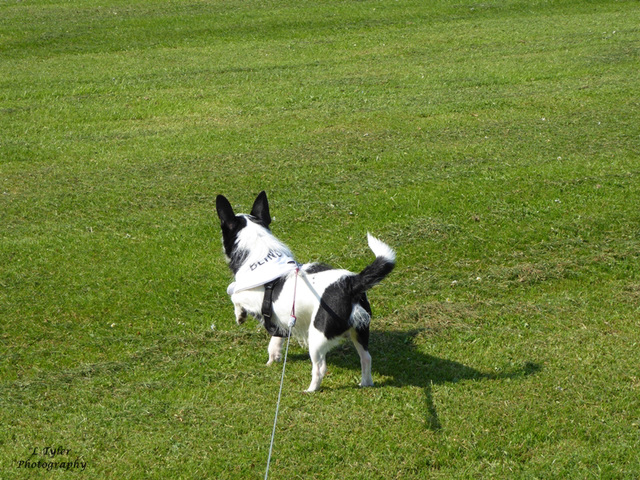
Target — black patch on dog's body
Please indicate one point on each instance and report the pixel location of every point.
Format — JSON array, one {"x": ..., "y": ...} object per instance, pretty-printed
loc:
[
  {"x": 334, "y": 316},
  {"x": 335, "y": 309},
  {"x": 317, "y": 268}
]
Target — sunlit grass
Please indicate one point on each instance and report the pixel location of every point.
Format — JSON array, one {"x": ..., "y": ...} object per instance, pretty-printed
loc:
[{"x": 493, "y": 145}]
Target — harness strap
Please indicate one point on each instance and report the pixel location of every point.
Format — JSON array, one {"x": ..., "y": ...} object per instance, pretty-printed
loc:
[
  {"x": 267, "y": 310},
  {"x": 267, "y": 301}
]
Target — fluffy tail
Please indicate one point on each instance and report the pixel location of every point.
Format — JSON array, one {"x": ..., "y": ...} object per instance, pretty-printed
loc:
[{"x": 373, "y": 273}]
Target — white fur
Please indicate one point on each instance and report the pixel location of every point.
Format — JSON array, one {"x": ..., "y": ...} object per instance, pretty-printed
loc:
[
  {"x": 359, "y": 316},
  {"x": 259, "y": 241},
  {"x": 275, "y": 349},
  {"x": 380, "y": 249}
]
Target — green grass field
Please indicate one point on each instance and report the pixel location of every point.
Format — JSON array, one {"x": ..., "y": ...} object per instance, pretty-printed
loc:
[{"x": 494, "y": 145}]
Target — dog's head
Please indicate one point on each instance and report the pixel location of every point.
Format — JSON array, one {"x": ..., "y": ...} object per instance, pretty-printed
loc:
[{"x": 242, "y": 233}]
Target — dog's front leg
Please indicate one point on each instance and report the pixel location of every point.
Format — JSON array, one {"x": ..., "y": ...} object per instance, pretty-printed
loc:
[
  {"x": 241, "y": 314},
  {"x": 275, "y": 349}
]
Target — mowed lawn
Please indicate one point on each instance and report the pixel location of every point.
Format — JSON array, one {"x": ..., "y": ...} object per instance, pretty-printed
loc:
[{"x": 494, "y": 145}]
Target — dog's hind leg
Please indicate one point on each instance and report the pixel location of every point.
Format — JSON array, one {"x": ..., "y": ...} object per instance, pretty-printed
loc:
[
  {"x": 275, "y": 349},
  {"x": 360, "y": 320},
  {"x": 318, "y": 347},
  {"x": 360, "y": 339}
]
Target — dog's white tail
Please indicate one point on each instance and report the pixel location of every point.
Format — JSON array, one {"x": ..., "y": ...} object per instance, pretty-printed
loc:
[
  {"x": 376, "y": 271},
  {"x": 381, "y": 249}
]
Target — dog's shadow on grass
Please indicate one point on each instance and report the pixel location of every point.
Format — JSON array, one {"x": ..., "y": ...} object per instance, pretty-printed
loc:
[{"x": 397, "y": 362}]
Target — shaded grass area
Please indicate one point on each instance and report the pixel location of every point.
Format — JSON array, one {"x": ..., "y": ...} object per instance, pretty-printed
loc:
[{"x": 494, "y": 145}]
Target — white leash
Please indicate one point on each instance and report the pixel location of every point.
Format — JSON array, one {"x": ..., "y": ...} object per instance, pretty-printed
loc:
[{"x": 292, "y": 322}]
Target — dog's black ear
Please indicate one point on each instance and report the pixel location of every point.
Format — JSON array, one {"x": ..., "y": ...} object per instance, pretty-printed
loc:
[
  {"x": 225, "y": 211},
  {"x": 260, "y": 209}
]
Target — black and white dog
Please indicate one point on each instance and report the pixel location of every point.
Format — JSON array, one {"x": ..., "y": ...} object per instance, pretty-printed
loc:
[{"x": 330, "y": 304}]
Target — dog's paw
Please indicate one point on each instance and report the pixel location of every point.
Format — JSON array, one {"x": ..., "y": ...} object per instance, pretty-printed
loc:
[
  {"x": 272, "y": 360},
  {"x": 366, "y": 383},
  {"x": 241, "y": 316}
]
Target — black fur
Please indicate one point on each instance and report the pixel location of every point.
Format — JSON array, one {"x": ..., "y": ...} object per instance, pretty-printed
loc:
[
  {"x": 260, "y": 210},
  {"x": 370, "y": 276},
  {"x": 231, "y": 226}
]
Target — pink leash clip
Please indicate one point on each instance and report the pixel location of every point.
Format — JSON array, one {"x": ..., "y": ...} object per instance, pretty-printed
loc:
[{"x": 292, "y": 318}]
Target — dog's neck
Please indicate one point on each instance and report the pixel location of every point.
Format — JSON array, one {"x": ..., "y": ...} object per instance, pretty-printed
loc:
[
  {"x": 264, "y": 257},
  {"x": 257, "y": 241}
]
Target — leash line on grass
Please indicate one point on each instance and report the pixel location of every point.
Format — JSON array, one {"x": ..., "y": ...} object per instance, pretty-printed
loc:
[
  {"x": 275, "y": 420},
  {"x": 292, "y": 322}
]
